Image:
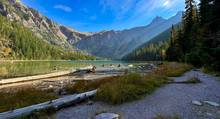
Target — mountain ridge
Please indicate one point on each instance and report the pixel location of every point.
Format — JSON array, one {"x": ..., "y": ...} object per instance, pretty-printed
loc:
[
  {"x": 107, "y": 43},
  {"x": 41, "y": 25},
  {"x": 116, "y": 44}
]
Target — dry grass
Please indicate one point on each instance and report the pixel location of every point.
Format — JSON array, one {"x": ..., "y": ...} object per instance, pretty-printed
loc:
[
  {"x": 129, "y": 87},
  {"x": 24, "y": 97},
  {"x": 166, "y": 117},
  {"x": 120, "y": 89},
  {"x": 192, "y": 80},
  {"x": 42, "y": 114},
  {"x": 172, "y": 69},
  {"x": 83, "y": 86}
]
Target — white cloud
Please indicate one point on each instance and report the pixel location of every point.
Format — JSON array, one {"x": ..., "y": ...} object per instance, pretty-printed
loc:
[
  {"x": 63, "y": 7},
  {"x": 166, "y": 3}
]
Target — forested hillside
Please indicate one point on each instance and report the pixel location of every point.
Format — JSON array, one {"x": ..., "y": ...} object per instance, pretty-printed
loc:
[
  {"x": 195, "y": 41},
  {"x": 40, "y": 25},
  {"x": 18, "y": 42},
  {"x": 198, "y": 41},
  {"x": 151, "y": 50}
]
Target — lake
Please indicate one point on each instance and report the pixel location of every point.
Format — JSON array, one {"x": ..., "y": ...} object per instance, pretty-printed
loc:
[{"x": 12, "y": 69}]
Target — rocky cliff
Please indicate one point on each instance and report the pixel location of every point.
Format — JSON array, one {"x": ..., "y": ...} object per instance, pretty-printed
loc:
[{"x": 42, "y": 26}]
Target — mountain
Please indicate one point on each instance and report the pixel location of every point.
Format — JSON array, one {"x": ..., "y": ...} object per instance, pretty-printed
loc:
[
  {"x": 109, "y": 44},
  {"x": 18, "y": 42},
  {"x": 27, "y": 35},
  {"x": 151, "y": 50},
  {"x": 116, "y": 44},
  {"x": 42, "y": 26}
]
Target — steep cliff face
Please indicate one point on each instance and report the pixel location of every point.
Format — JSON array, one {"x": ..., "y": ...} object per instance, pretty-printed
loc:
[
  {"x": 116, "y": 44},
  {"x": 42, "y": 26}
]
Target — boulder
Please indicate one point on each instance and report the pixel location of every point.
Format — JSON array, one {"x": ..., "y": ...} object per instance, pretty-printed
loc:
[
  {"x": 107, "y": 116},
  {"x": 212, "y": 103},
  {"x": 198, "y": 103}
]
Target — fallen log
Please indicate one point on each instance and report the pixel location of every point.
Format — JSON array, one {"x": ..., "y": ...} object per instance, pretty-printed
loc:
[
  {"x": 55, "y": 104},
  {"x": 36, "y": 77},
  {"x": 43, "y": 76}
]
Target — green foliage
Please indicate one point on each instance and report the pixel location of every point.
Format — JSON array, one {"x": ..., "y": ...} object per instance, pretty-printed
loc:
[
  {"x": 152, "y": 50},
  {"x": 25, "y": 45},
  {"x": 198, "y": 41},
  {"x": 197, "y": 57}
]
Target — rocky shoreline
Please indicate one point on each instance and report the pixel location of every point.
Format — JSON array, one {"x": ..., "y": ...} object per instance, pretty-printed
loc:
[{"x": 58, "y": 83}]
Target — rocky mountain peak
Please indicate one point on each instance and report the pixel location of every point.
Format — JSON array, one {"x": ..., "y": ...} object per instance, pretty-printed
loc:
[
  {"x": 158, "y": 19},
  {"x": 42, "y": 26}
]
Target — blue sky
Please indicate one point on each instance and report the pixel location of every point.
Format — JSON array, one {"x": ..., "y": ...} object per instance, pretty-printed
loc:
[{"x": 97, "y": 15}]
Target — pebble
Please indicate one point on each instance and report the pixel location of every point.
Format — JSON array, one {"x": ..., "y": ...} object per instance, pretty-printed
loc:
[
  {"x": 198, "y": 103},
  {"x": 130, "y": 65},
  {"x": 50, "y": 86},
  {"x": 209, "y": 114},
  {"x": 107, "y": 116},
  {"x": 212, "y": 103},
  {"x": 90, "y": 102}
]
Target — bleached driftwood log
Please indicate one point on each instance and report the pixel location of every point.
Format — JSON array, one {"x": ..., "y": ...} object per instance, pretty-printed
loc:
[{"x": 55, "y": 104}]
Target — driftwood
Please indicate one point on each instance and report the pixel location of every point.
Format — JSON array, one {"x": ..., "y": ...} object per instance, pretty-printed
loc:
[
  {"x": 55, "y": 104},
  {"x": 44, "y": 76},
  {"x": 36, "y": 77}
]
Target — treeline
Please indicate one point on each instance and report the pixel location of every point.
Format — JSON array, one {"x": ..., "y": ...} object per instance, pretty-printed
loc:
[
  {"x": 18, "y": 42},
  {"x": 198, "y": 40},
  {"x": 154, "y": 49},
  {"x": 150, "y": 52}
]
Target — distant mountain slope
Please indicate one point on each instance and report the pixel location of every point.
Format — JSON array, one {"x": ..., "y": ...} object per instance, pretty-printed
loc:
[
  {"x": 151, "y": 50},
  {"x": 116, "y": 44},
  {"x": 42, "y": 26}
]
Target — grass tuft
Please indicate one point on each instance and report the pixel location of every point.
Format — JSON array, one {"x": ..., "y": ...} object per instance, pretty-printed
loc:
[
  {"x": 127, "y": 88},
  {"x": 24, "y": 97},
  {"x": 193, "y": 80},
  {"x": 172, "y": 69}
]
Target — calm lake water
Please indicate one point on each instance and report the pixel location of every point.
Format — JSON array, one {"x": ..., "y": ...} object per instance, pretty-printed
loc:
[{"x": 27, "y": 68}]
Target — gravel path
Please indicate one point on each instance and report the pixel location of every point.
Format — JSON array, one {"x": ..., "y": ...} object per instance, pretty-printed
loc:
[{"x": 172, "y": 99}]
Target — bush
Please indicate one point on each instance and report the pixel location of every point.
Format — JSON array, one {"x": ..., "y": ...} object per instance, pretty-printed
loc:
[{"x": 197, "y": 57}]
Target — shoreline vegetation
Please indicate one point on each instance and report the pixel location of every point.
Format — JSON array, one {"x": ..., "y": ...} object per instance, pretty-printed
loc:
[{"x": 112, "y": 90}]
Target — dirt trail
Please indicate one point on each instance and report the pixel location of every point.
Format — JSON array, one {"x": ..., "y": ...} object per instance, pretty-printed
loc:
[{"x": 172, "y": 99}]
